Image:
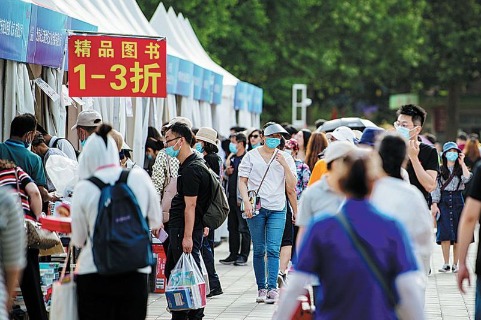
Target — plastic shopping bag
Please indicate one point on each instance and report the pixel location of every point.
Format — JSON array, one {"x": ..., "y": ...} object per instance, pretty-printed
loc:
[
  {"x": 205, "y": 275},
  {"x": 64, "y": 297},
  {"x": 186, "y": 288}
]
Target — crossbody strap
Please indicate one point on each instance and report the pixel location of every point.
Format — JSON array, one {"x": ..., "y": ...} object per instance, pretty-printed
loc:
[
  {"x": 265, "y": 173},
  {"x": 446, "y": 183},
  {"x": 364, "y": 254}
]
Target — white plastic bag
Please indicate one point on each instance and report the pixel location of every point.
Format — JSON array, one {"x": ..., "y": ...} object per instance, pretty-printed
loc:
[
  {"x": 63, "y": 172},
  {"x": 186, "y": 288},
  {"x": 64, "y": 296},
  {"x": 205, "y": 275}
]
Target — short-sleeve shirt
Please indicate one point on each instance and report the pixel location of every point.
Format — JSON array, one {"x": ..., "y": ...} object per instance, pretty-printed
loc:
[
  {"x": 8, "y": 178},
  {"x": 474, "y": 192},
  {"x": 428, "y": 156},
  {"x": 349, "y": 288},
  {"x": 193, "y": 180},
  {"x": 273, "y": 189},
  {"x": 320, "y": 168},
  {"x": 317, "y": 199},
  {"x": 31, "y": 163}
]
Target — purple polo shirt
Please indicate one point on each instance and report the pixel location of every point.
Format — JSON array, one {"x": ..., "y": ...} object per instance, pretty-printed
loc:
[{"x": 349, "y": 289}]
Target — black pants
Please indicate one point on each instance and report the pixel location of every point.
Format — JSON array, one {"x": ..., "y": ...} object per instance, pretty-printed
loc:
[
  {"x": 173, "y": 255},
  {"x": 208, "y": 256},
  {"x": 112, "y": 297},
  {"x": 30, "y": 285},
  {"x": 239, "y": 235}
]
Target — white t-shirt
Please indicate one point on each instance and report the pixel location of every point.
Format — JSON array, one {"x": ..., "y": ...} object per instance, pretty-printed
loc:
[
  {"x": 85, "y": 207},
  {"x": 405, "y": 203},
  {"x": 65, "y": 146},
  {"x": 273, "y": 189}
]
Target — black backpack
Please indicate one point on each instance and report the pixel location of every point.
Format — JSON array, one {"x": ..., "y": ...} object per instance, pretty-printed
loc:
[
  {"x": 218, "y": 209},
  {"x": 121, "y": 239}
]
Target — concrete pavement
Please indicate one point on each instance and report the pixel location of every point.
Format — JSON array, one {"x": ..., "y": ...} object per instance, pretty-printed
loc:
[{"x": 443, "y": 300}]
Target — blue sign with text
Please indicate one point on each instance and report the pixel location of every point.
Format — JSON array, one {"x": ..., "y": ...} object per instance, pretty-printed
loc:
[
  {"x": 185, "y": 78},
  {"x": 47, "y": 37},
  {"x": 14, "y": 27}
]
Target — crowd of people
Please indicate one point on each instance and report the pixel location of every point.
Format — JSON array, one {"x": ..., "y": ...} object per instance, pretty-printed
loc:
[{"x": 307, "y": 204}]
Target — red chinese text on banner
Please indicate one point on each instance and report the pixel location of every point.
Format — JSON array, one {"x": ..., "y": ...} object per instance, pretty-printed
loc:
[{"x": 116, "y": 66}]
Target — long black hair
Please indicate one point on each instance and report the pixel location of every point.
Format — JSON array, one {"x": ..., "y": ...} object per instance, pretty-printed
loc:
[{"x": 457, "y": 170}]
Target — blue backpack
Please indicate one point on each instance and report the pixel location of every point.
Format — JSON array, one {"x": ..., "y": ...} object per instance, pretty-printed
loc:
[{"x": 121, "y": 239}]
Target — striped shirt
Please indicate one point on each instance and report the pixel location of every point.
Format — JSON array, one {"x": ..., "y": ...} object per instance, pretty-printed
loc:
[
  {"x": 12, "y": 239},
  {"x": 8, "y": 178}
]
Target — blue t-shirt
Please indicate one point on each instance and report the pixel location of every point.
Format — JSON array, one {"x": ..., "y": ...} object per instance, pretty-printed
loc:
[
  {"x": 349, "y": 289},
  {"x": 31, "y": 163}
]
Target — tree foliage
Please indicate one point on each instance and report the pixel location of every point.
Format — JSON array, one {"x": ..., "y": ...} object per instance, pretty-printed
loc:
[{"x": 347, "y": 52}]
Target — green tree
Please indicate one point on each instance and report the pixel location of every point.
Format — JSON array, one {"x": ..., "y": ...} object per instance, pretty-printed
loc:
[{"x": 453, "y": 44}]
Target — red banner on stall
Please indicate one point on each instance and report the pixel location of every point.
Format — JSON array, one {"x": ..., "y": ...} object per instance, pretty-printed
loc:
[{"x": 116, "y": 66}]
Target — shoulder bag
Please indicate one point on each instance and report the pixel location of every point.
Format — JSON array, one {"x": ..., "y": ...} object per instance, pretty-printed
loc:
[
  {"x": 254, "y": 198},
  {"x": 37, "y": 238}
]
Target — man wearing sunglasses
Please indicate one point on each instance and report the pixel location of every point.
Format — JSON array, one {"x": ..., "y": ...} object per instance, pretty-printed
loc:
[{"x": 423, "y": 162}]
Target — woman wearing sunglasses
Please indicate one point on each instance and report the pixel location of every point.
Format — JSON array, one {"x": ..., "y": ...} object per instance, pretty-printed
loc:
[{"x": 254, "y": 140}]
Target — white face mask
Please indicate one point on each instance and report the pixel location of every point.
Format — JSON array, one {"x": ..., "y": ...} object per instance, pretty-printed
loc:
[{"x": 289, "y": 151}]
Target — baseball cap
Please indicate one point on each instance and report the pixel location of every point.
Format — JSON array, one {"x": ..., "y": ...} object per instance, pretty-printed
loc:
[
  {"x": 338, "y": 149},
  {"x": 273, "y": 129},
  {"x": 369, "y": 136},
  {"x": 88, "y": 118},
  {"x": 342, "y": 133}
]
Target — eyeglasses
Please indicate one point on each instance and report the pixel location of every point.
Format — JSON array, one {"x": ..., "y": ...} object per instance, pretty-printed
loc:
[
  {"x": 398, "y": 124},
  {"x": 169, "y": 141}
]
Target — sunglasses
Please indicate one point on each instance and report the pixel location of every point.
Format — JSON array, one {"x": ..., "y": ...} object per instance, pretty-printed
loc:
[{"x": 255, "y": 136}]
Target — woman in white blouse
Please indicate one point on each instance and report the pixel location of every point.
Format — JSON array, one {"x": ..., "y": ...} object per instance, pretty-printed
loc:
[{"x": 267, "y": 172}]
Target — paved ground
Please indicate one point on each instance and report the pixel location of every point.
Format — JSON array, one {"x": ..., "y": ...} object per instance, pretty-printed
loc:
[{"x": 443, "y": 300}]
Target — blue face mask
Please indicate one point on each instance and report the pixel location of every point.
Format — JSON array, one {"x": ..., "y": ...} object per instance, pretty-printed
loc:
[
  {"x": 199, "y": 148},
  {"x": 452, "y": 156},
  {"x": 232, "y": 147},
  {"x": 273, "y": 142},
  {"x": 256, "y": 145},
  {"x": 404, "y": 132},
  {"x": 150, "y": 157},
  {"x": 171, "y": 152},
  {"x": 83, "y": 142}
]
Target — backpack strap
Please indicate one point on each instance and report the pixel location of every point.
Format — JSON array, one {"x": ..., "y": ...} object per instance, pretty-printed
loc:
[
  {"x": 123, "y": 176},
  {"x": 97, "y": 182}
]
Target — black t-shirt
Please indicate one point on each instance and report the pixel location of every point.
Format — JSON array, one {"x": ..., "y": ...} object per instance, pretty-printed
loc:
[
  {"x": 193, "y": 180},
  {"x": 214, "y": 162},
  {"x": 232, "y": 183},
  {"x": 428, "y": 156},
  {"x": 474, "y": 192}
]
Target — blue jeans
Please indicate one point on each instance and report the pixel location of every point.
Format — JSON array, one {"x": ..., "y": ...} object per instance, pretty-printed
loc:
[{"x": 266, "y": 231}]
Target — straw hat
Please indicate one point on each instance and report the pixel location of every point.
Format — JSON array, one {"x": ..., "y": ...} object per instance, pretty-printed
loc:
[{"x": 208, "y": 135}]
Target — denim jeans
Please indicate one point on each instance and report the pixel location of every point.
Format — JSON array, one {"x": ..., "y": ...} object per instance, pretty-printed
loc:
[{"x": 266, "y": 231}]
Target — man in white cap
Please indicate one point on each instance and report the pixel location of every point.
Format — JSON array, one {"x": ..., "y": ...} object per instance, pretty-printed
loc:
[
  {"x": 341, "y": 133},
  {"x": 87, "y": 123},
  {"x": 324, "y": 195}
]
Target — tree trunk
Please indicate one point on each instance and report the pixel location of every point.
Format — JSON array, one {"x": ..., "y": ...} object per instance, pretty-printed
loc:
[{"x": 452, "y": 122}]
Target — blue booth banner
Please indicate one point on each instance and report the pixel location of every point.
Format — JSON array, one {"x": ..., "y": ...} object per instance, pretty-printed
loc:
[
  {"x": 207, "y": 86},
  {"x": 185, "y": 78},
  {"x": 250, "y": 97},
  {"x": 217, "y": 97},
  {"x": 240, "y": 99},
  {"x": 14, "y": 27},
  {"x": 172, "y": 71},
  {"x": 198, "y": 81},
  {"x": 78, "y": 25},
  {"x": 47, "y": 38},
  {"x": 257, "y": 100}
]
